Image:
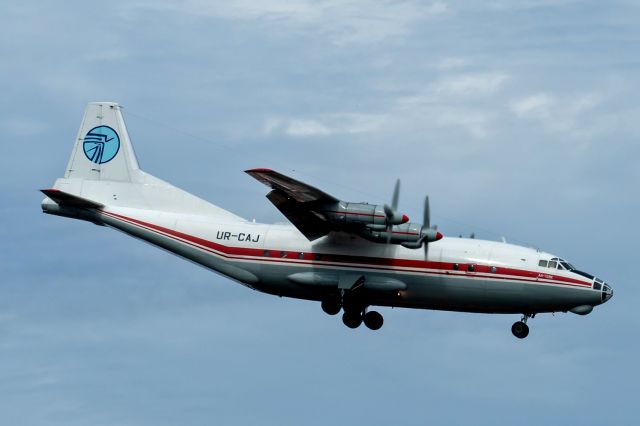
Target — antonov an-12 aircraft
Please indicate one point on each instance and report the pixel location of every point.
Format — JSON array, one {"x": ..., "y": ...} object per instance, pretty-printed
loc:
[{"x": 348, "y": 256}]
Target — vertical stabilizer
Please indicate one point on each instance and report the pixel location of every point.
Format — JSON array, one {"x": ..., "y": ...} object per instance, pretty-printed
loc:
[{"x": 103, "y": 150}]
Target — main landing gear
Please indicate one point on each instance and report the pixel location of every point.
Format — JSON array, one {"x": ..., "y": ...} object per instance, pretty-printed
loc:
[
  {"x": 520, "y": 329},
  {"x": 354, "y": 314},
  {"x": 372, "y": 319}
]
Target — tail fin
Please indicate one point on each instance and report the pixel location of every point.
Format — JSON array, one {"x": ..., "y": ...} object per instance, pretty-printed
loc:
[
  {"x": 103, "y": 150},
  {"x": 103, "y": 172}
]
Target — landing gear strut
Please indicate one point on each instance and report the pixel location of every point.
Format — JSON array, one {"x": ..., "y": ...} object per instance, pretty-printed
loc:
[{"x": 520, "y": 329}]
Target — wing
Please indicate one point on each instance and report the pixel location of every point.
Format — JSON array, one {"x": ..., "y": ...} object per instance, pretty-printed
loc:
[
  {"x": 297, "y": 201},
  {"x": 295, "y": 189}
]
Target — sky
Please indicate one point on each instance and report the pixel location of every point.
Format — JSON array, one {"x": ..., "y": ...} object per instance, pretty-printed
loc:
[{"x": 520, "y": 119}]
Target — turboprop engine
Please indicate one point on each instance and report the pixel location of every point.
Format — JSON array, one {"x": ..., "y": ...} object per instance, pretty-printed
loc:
[
  {"x": 378, "y": 217},
  {"x": 382, "y": 224},
  {"x": 409, "y": 235},
  {"x": 374, "y": 217}
]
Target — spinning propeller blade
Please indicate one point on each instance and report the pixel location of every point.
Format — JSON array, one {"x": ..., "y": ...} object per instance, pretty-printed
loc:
[{"x": 390, "y": 211}]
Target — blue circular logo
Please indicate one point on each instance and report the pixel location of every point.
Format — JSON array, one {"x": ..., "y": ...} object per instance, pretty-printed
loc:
[{"x": 101, "y": 144}]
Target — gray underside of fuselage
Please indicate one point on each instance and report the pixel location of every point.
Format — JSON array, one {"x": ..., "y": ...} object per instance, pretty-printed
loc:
[{"x": 438, "y": 292}]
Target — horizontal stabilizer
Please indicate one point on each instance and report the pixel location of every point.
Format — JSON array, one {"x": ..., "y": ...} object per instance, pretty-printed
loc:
[{"x": 69, "y": 200}]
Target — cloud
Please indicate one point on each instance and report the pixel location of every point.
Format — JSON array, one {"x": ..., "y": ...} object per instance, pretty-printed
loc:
[
  {"x": 324, "y": 125},
  {"x": 477, "y": 84},
  {"x": 341, "y": 22},
  {"x": 447, "y": 102},
  {"x": 567, "y": 114},
  {"x": 23, "y": 126},
  {"x": 453, "y": 62}
]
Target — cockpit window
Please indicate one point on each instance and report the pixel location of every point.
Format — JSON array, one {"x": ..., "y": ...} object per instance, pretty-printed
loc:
[
  {"x": 567, "y": 265},
  {"x": 556, "y": 263}
]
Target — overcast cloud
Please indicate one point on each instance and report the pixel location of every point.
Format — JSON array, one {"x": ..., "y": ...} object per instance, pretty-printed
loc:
[{"x": 519, "y": 118}]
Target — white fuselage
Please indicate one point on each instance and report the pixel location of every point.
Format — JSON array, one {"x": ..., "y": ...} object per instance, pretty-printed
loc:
[{"x": 457, "y": 274}]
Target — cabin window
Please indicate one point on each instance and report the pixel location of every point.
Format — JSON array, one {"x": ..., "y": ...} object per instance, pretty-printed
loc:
[
  {"x": 265, "y": 253},
  {"x": 553, "y": 264},
  {"x": 543, "y": 263},
  {"x": 456, "y": 266},
  {"x": 471, "y": 268},
  {"x": 494, "y": 269},
  {"x": 318, "y": 256},
  {"x": 300, "y": 255},
  {"x": 283, "y": 254}
]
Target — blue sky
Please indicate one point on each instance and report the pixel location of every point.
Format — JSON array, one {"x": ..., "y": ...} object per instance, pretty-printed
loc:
[{"x": 519, "y": 119}]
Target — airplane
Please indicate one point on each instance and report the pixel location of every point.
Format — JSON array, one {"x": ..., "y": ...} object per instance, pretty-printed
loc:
[{"x": 350, "y": 257}]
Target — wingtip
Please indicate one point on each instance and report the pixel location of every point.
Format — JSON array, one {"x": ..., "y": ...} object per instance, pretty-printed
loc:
[
  {"x": 48, "y": 191},
  {"x": 258, "y": 170}
]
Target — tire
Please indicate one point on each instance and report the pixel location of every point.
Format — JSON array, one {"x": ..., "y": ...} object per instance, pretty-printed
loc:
[
  {"x": 331, "y": 307},
  {"x": 352, "y": 320},
  {"x": 520, "y": 329},
  {"x": 373, "y": 320}
]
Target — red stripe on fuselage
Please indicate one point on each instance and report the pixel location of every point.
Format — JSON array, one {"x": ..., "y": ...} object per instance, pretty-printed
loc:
[{"x": 328, "y": 259}]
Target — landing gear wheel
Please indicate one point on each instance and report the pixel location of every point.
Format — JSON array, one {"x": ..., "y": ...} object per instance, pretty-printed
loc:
[
  {"x": 352, "y": 319},
  {"x": 373, "y": 320},
  {"x": 330, "y": 306},
  {"x": 520, "y": 329}
]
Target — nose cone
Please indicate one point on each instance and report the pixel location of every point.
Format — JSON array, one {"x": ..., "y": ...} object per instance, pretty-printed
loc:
[{"x": 607, "y": 292}]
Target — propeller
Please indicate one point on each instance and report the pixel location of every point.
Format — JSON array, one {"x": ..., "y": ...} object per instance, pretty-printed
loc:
[
  {"x": 393, "y": 217},
  {"x": 429, "y": 233},
  {"x": 390, "y": 211}
]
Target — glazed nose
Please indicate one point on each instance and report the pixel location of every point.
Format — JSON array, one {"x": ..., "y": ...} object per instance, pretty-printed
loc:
[{"x": 607, "y": 292}]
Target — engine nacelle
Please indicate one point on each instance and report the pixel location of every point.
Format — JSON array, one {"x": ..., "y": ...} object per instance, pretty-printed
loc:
[
  {"x": 362, "y": 215},
  {"x": 409, "y": 235}
]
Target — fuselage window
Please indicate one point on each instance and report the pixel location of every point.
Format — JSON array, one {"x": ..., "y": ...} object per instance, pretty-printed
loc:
[
  {"x": 283, "y": 254},
  {"x": 472, "y": 268},
  {"x": 265, "y": 253},
  {"x": 456, "y": 266},
  {"x": 300, "y": 255},
  {"x": 494, "y": 269},
  {"x": 543, "y": 263},
  {"x": 318, "y": 256}
]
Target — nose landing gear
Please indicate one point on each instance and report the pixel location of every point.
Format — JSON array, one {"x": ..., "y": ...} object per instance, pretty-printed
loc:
[{"x": 520, "y": 329}]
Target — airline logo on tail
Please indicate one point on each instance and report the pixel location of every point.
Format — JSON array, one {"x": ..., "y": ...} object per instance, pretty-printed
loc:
[{"x": 101, "y": 144}]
